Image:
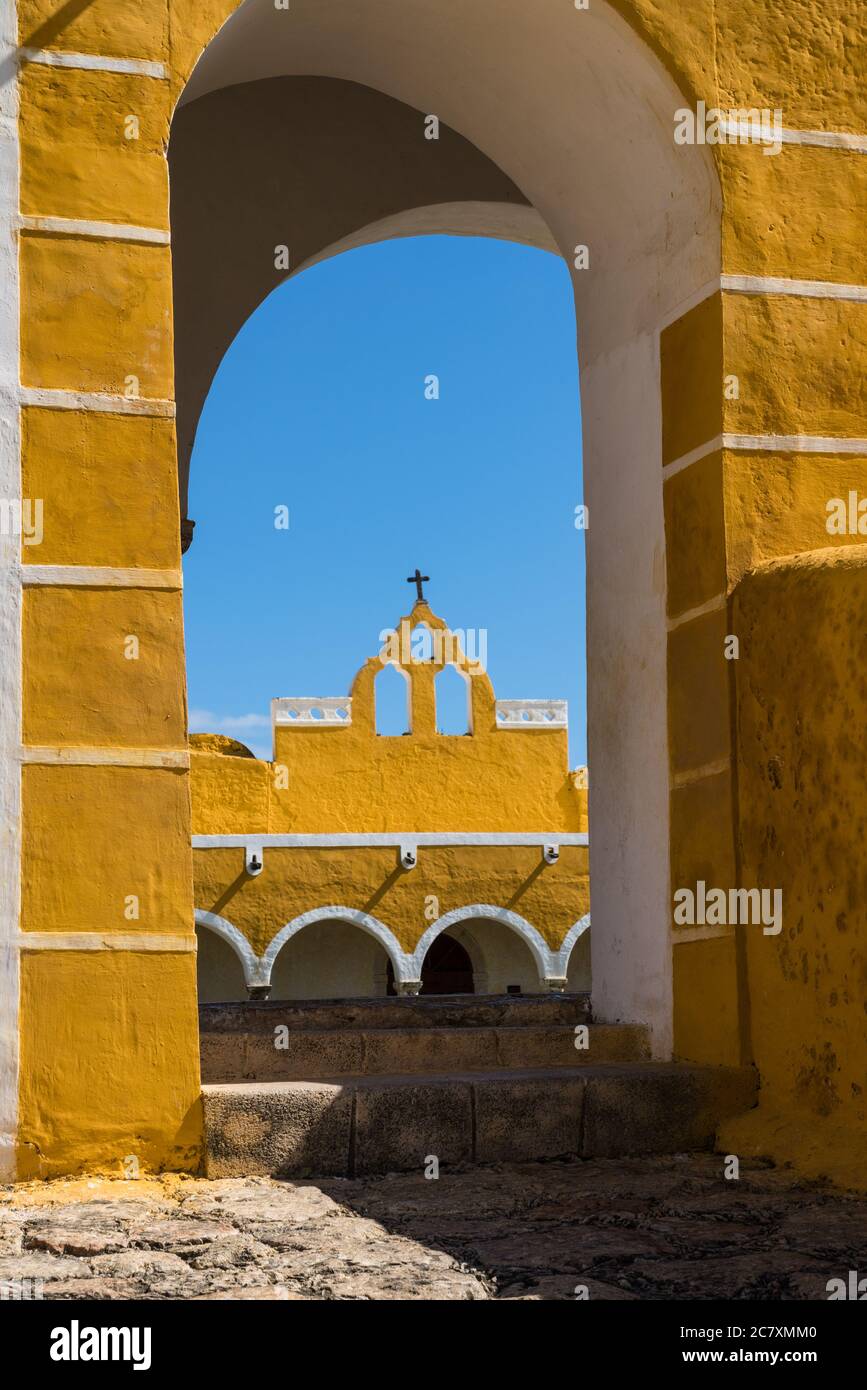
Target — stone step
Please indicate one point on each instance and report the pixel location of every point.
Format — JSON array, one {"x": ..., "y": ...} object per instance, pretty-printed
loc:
[
  {"x": 319, "y": 1054},
  {"x": 423, "y": 1011},
  {"x": 357, "y": 1125}
]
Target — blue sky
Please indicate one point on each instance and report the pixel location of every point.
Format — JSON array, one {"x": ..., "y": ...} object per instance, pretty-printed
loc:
[{"x": 319, "y": 407}]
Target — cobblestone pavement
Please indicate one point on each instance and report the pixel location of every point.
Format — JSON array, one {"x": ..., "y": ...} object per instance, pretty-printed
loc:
[{"x": 657, "y": 1228}]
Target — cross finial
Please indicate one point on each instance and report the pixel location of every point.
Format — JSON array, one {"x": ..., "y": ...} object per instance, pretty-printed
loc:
[{"x": 418, "y": 579}]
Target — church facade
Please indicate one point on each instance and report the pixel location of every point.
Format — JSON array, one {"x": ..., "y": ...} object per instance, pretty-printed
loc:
[{"x": 334, "y": 870}]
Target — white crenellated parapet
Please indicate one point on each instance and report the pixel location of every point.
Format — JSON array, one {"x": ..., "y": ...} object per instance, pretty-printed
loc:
[
  {"x": 312, "y": 712},
  {"x": 532, "y": 714}
]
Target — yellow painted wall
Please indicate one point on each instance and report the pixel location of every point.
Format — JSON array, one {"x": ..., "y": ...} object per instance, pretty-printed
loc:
[
  {"x": 95, "y": 312},
  {"x": 802, "y": 712}
]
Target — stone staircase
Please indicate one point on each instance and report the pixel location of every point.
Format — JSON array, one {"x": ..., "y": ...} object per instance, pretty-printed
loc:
[{"x": 377, "y": 1085}]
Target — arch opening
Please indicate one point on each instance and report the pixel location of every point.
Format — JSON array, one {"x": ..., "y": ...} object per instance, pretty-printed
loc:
[{"x": 648, "y": 215}]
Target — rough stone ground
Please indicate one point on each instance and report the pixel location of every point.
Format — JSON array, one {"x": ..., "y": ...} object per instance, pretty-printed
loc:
[{"x": 656, "y": 1228}]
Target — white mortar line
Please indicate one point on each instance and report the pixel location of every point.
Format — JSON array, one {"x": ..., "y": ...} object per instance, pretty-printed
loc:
[
  {"x": 10, "y": 600},
  {"x": 100, "y": 577},
  {"x": 50, "y": 398},
  {"x": 390, "y": 839},
  {"x": 107, "y": 231},
  {"x": 712, "y": 606},
  {"x": 93, "y": 62},
  {"x": 805, "y": 289},
  {"x": 104, "y": 941},
  {"x": 106, "y": 757},
  {"x": 698, "y": 774}
]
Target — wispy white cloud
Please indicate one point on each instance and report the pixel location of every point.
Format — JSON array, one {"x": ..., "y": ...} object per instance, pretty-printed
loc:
[{"x": 205, "y": 721}]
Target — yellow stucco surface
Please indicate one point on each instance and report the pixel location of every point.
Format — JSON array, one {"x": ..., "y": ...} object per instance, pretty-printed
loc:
[
  {"x": 75, "y": 150},
  {"x": 802, "y": 709},
  {"x": 98, "y": 313},
  {"x": 109, "y": 1062},
  {"x": 109, "y": 487},
  {"x": 113, "y": 654},
  {"x": 127, "y": 31},
  {"x": 93, "y": 837}
]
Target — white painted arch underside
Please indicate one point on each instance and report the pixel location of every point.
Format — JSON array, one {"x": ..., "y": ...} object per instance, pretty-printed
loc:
[{"x": 552, "y": 966}]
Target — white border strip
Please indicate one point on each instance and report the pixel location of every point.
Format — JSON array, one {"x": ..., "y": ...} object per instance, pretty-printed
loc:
[
  {"x": 713, "y": 605},
  {"x": 759, "y": 285},
  {"x": 10, "y": 600},
  {"x": 54, "y": 399},
  {"x": 698, "y": 774},
  {"x": 822, "y": 139},
  {"x": 93, "y": 62},
  {"x": 804, "y": 289},
  {"x": 106, "y": 757},
  {"x": 107, "y": 231},
  {"x": 104, "y": 941},
  {"x": 713, "y": 446},
  {"x": 795, "y": 443},
  {"x": 388, "y": 840},
  {"x": 767, "y": 443},
  {"x": 100, "y": 577}
]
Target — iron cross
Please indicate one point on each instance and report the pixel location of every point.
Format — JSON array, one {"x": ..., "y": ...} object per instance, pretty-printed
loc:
[{"x": 418, "y": 579}]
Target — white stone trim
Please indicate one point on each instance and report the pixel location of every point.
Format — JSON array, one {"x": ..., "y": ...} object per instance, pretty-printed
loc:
[
  {"x": 560, "y": 958},
  {"x": 803, "y": 289},
  {"x": 767, "y": 443},
  {"x": 401, "y": 962},
  {"x": 692, "y": 301},
  {"x": 106, "y": 757},
  {"x": 104, "y": 231},
  {"x": 822, "y": 139},
  {"x": 713, "y": 605},
  {"x": 698, "y": 774},
  {"x": 250, "y": 962},
  {"x": 392, "y": 839},
  {"x": 759, "y": 285},
  {"x": 10, "y": 600},
  {"x": 711, "y": 446},
  {"x": 795, "y": 443},
  {"x": 51, "y": 398},
  {"x": 106, "y": 941},
  {"x": 311, "y": 712},
  {"x": 532, "y": 714},
  {"x": 93, "y": 62},
  {"x": 542, "y": 954},
  {"x": 100, "y": 577}
]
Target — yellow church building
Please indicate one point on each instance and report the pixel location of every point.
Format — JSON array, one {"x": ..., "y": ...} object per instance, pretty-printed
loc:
[{"x": 384, "y": 848}]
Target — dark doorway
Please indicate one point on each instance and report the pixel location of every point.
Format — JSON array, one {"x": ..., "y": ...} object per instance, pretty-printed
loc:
[{"x": 447, "y": 969}]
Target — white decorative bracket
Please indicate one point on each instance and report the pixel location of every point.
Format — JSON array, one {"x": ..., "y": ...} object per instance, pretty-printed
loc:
[
  {"x": 408, "y": 854},
  {"x": 532, "y": 714},
  {"x": 551, "y": 853},
  {"x": 254, "y": 859},
  {"x": 315, "y": 712}
]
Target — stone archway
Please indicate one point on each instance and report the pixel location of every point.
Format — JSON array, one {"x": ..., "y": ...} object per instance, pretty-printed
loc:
[
  {"x": 653, "y": 220},
  {"x": 574, "y": 109}
]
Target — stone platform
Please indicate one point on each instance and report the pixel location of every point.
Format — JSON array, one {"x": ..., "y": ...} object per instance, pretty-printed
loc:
[{"x": 372, "y": 1086}]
